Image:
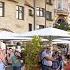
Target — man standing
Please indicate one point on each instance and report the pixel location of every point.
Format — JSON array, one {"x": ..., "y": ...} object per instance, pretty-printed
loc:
[
  {"x": 47, "y": 59},
  {"x": 18, "y": 47}
]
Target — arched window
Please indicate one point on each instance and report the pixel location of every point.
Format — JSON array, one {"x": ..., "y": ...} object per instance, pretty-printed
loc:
[{"x": 61, "y": 24}]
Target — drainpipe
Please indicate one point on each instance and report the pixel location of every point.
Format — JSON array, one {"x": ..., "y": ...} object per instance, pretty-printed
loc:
[
  {"x": 45, "y": 13},
  {"x": 34, "y": 13}
]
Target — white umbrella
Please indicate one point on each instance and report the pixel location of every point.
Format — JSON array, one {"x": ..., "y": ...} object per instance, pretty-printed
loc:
[
  {"x": 11, "y": 36},
  {"x": 46, "y": 32},
  {"x": 5, "y": 33},
  {"x": 49, "y": 33}
]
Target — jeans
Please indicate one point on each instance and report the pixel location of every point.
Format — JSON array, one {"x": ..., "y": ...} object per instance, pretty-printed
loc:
[
  {"x": 16, "y": 68},
  {"x": 44, "y": 67}
]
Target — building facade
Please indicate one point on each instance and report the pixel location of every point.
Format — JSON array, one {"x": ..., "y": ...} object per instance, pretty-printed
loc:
[
  {"x": 27, "y": 15},
  {"x": 61, "y": 10}
]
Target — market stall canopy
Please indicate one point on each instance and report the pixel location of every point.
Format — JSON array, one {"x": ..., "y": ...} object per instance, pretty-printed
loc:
[
  {"x": 49, "y": 33},
  {"x": 61, "y": 42},
  {"x": 5, "y": 33},
  {"x": 11, "y": 36},
  {"x": 65, "y": 39}
]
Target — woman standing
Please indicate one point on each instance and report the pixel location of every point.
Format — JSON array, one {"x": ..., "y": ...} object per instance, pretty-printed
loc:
[{"x": 16, "y": 62}]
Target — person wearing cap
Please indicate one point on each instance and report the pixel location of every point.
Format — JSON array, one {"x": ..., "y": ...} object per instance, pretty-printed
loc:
[{"x": 47, "y": 59}]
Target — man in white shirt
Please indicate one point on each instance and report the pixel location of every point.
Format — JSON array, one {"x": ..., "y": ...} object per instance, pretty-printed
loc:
[
  {"x": 47, "y": 59},
  {"x": 18, "y": 47}
]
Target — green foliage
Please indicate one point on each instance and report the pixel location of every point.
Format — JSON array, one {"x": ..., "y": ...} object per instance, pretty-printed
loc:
[
  {"x": 62, "y": 26},
  {"x": 32, "y": 51}
]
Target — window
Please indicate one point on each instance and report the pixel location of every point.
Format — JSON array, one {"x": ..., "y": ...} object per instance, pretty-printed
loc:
[
  {"x": 20, "y": 12},
  {"x": 48, "y": 15},
  {"x": 37, "y": 11},
  {"x": 30, "y": 27},
  {"x": 59, "y": 4},
  {"x": 30, "y": 12},
  {"x": 1, "y": 9},
  {"x": 40, "y": 12},
  {"x": 41, "y": 26},
  {"x": 49, "y": 2}
]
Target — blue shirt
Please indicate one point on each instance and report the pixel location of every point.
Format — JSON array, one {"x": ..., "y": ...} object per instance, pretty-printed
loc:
[{"x": 46, "y": 54}]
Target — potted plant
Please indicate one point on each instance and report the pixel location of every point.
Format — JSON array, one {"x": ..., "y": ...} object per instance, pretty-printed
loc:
[{"x": 32, "y": 51}]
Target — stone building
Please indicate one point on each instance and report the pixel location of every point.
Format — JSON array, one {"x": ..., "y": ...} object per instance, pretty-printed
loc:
[
  {"x": 27, "y": 15},
  {"x": 62, "y": 13}
]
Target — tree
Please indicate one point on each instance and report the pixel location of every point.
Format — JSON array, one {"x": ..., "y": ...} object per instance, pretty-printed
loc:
[{"x": 32, "y": 51}]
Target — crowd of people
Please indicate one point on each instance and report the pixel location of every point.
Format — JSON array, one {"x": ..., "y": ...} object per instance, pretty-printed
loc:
[
  {"x": 11, "y": 59},
  {"x": 52, "y": 59}
]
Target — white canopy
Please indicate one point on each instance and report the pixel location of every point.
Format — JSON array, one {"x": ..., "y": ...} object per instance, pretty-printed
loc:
[
  {"x": 49, "y": 33},
  {"x": 65, "y": 39},
  {"x": 11, "y": 36},
  {"x": 46, "y": 33},
  {"x": 61, "y": 42},
  {"x": 7, "y": 35}
]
